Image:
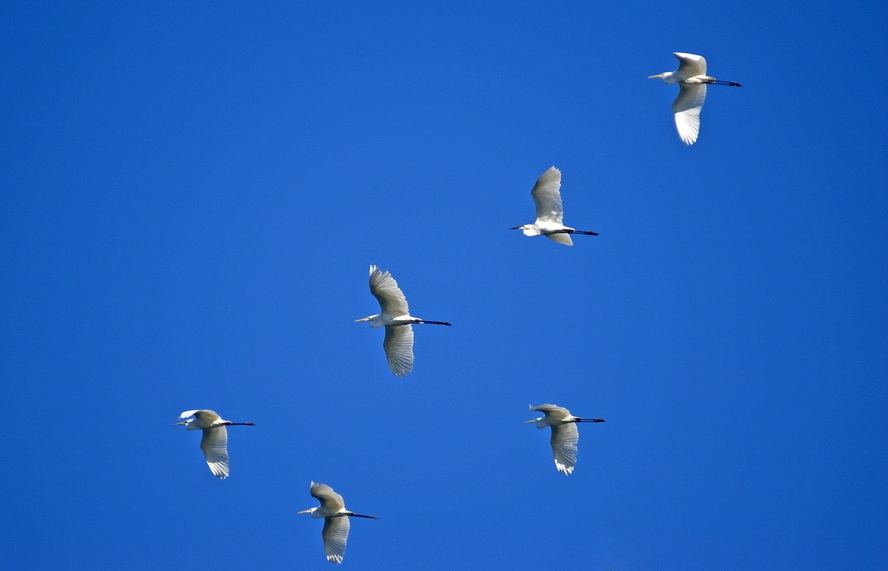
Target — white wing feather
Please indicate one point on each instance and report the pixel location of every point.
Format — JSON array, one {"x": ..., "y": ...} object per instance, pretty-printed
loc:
[
  {"x": 561, "y": 238},
  {"x": 335, "y": 534},
  {"x": 214, "y": 444},
  {"x": 546, "y": 195},
  {"x": 689, "y": 65},
  {"x": 330, "y": 500},
  {"x": 398, "y": 345},
  {"x": 687, "y": 107},
  {"x": 553, "y": 411},
  {"x": 564, "y": 446},
  {"x": 386, "y": 291}
]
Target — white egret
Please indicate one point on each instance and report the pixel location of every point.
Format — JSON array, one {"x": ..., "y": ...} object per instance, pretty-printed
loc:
[
  {"x": 396, "y": 318},
  {"x": 546, "y": 195},
  {"x": 336, "y": 524},
  {"x": 692, "y": 80},
  {"x": 214, "y": 441},
  {"x": 564, "y": 434}
]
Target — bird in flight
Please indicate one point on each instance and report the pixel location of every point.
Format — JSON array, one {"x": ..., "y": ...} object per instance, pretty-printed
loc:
[
  {"x": 564, "y": 434},
  {"x": 214, "y": 441},
  {"x": 395, "y": 317},
  {"x": 546, "y": 195},
  {"x": 692, "y": 81},
  {"x": 336, "y": 523}
]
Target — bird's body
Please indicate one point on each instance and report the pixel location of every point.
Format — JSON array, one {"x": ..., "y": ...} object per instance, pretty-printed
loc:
[
  {"x": 692, "y": 81},
  {"x": 214, "y": 441},
  {"x": 564, "y": 434},
  {"x": 336, "y": 520},
  {"x": 395, "y": 316},
  {"x": 546, "y": 195}
]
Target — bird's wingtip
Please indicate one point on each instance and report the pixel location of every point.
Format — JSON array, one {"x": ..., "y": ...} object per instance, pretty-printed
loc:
[{"x": 566, "y": 470}]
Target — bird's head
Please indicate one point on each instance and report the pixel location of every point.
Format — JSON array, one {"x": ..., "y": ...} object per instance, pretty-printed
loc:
[
  {"x": 664, "y": 76},
  {"x": 540, "y": 423},
  {"x": 311, "y": 512},
  {"x": 528, "y": 229},
  {"x": 188, "y": 418},
  {"x": 373, "y": 320}
]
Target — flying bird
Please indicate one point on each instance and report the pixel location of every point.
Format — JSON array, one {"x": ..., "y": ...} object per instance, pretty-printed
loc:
[
  {"x": 692, "y": 80},
  {"x": 546, "y": 195},
  {"x": 396, "y": 318},
  {"x": 214, "y": 441},
  {"x": 336, "y": 524},
  {"x": 564, "y": 434}
]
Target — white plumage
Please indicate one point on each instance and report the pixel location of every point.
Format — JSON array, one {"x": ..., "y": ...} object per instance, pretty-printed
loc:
[
  {"x": 336, "y": 520},
  {"x": 214, "y": 441},
  {"x": 565, "y": 435},
  {"x": 546, "y": 195},
  {"x": 395, "y": 316},
  {"x": 692, "y": 80}
]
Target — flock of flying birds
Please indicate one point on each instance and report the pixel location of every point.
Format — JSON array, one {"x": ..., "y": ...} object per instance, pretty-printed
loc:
[{"x": 395, "y": 316}]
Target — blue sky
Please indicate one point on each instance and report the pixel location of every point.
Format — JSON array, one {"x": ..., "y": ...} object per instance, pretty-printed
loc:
[{"x": 192, "y": 196}]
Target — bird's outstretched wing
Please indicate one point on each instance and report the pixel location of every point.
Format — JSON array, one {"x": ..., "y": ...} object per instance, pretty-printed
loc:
[
  {"x": 214, "y": 444},
  {"x": 561, "y": 238},
  {"x": 398, "y": 345},
  {"x": 329, "y": 499},
  {"x": 689, "y": 65},
  {"x": 687, "y": 107},
  {"x": 555, "y": 411},
  {"x": 206, "y": 417},
  {"x": 546, "y": 195},
  {"x": 564, "y": 446},
  {"x": 386, "y": 291},
  {"x": 542, "y": 407},
  {"x": 335, "y": 534}
]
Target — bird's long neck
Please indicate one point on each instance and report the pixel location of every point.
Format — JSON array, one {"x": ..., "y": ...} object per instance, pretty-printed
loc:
[{"x": 666, "y": 76}]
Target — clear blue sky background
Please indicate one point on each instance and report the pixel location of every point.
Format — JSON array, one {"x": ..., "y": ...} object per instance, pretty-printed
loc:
[{"x": 192, "y": 195}]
